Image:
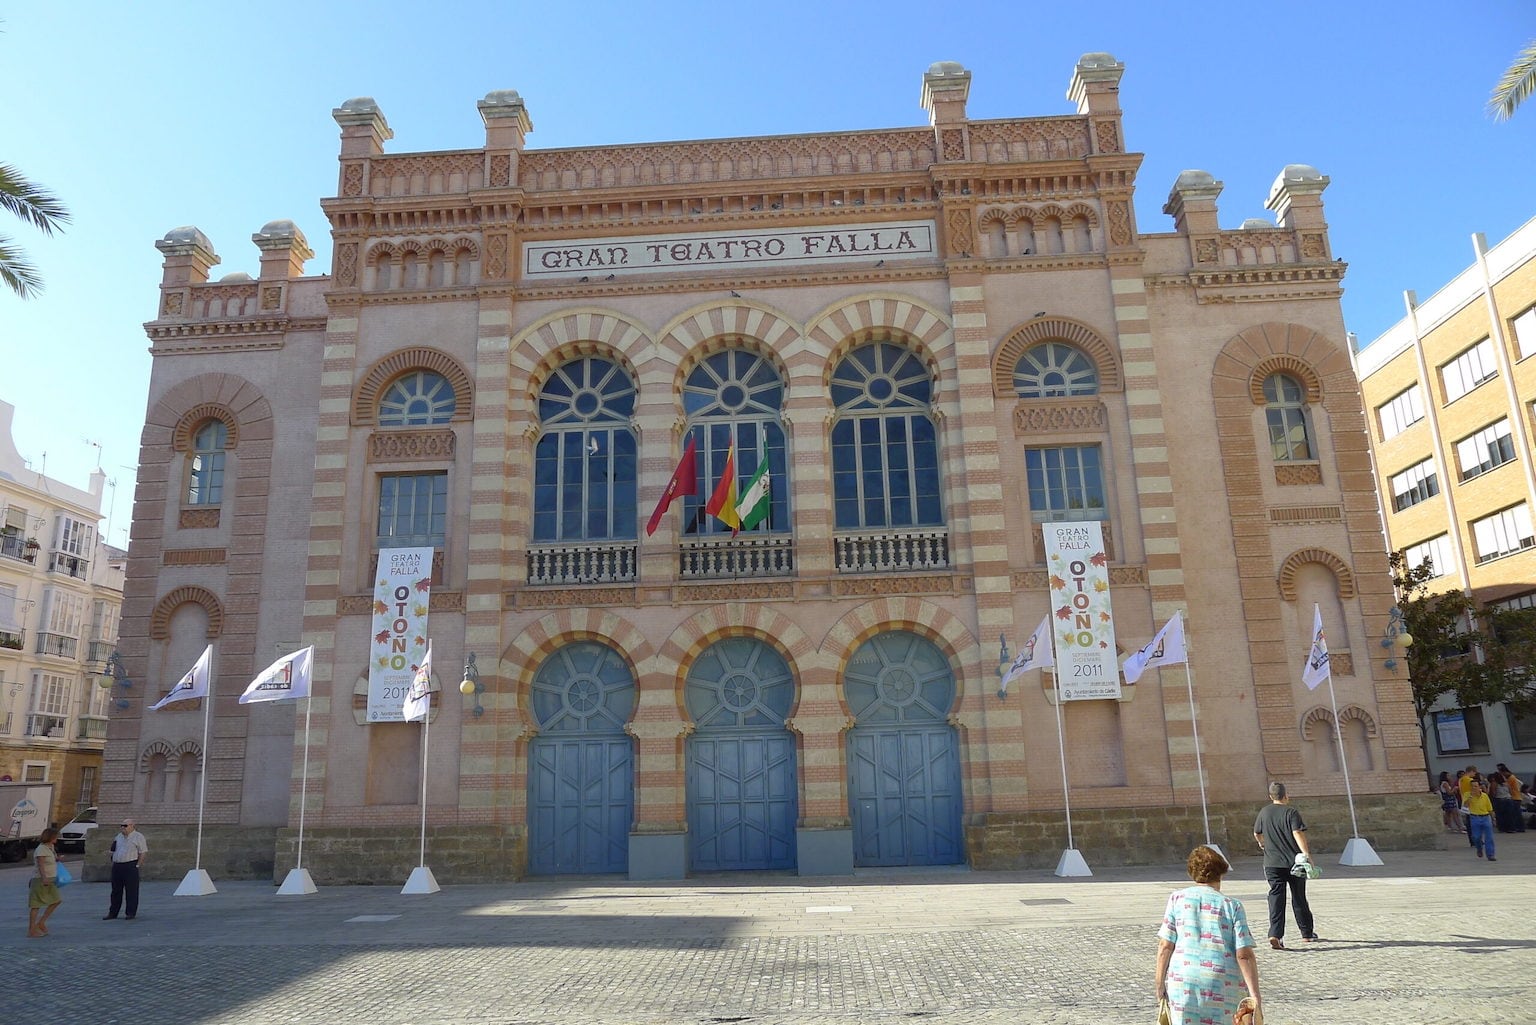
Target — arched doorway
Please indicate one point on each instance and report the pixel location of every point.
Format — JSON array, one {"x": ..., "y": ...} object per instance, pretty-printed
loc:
[
  {"x": 581, "y": 765},
  {"x": 742, "y": 792},
  {"x": 904, "y": 793}
]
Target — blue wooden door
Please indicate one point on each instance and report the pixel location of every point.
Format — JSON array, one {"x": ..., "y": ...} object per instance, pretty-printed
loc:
[
  {"x": 581, "y": 765},
  {"x": 743, "y": 794},
  {"x": 904, "y": 792}
]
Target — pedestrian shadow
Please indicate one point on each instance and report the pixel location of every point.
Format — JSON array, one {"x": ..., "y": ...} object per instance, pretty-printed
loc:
[{"x": 1456, "y": 944}]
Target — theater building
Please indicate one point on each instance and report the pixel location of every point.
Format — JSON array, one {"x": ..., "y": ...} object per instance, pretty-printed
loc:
[{"x": 936, "y": 339}]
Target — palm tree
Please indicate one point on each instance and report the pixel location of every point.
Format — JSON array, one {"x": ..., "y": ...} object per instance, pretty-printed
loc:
[
  {"x": 43, "y": 210},
  {"x": 1516, "y": 86}
]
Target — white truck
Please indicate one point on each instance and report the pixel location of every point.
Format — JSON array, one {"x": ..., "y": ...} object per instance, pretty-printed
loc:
[{"x": 26, "y": 809}]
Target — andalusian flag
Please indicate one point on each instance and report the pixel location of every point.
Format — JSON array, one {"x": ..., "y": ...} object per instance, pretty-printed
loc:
[
  {"x": 722, "y": 504},
  {"x": 756, "y": 500}
]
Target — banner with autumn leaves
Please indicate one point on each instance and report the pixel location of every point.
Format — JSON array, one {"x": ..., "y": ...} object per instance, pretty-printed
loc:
[
  {"x": 400, "y": 598},
  {"x": 1083, "y": 626}
]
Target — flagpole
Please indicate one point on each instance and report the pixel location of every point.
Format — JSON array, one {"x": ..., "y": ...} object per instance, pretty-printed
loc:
[
  {"x": 1194, "y": 725},
  {"x": 304, "y": 782},
  {"x": 426, "y": 740},
  {"x": 1358, "y": 851},
  {"x": 202, "y": 781},
  {"x": 1061, "y": 745},
  {"x": 1338, "y": 736}
]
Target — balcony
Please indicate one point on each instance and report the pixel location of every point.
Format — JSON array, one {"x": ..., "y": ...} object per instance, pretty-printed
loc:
[
  {"x": 14, "y": 546},
  {"x": 596, "y": 562},
  {"x": 99, "y": 651},
  {"x": 57, "y": 644},
  {"x": 92, "y": 727},
  {"x": 12, "y": 640},
  {"x": 51, "y": 726},
  {"x": 890, "y": 551},
  {"x": 69, "y": 565},
  {"x": 733, "y": 558}
]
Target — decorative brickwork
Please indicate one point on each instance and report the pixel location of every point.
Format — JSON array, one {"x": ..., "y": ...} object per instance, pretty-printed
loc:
[
  {"x": 411, "y": 445},
  {"x": 365, "y": 399}
]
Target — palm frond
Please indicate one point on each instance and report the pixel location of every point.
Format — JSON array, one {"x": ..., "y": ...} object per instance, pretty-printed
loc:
[
  {"x": 18, "y": 274},
  {"x": 1517, "y": 85},
  {"x": 32, "y": 203}
]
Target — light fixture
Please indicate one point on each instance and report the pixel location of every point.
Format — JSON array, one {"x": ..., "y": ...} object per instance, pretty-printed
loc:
[
  {"x": 112, "y": 673},
  {"x": 1003, "y": 662},
  {"x": 1395, "y": 638},
  {"x": 471, "y": 684}
]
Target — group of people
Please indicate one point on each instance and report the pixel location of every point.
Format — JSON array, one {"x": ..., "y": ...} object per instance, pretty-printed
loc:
[
  {"x": 129, "y": 848},
  {"x": 1205, "y": 949},
  {"x": 1479, "y": 806}
]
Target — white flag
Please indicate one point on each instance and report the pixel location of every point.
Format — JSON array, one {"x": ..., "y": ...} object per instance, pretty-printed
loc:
[
  {"x": 1166, "y": 649},
  {"x": 1316, "y": 670},
  {"x": 285, "y": 679},
  {"x": 418, "y": 696},
  {"x": 192, "y": 686},
  {"x": 1034, "y": 653}
]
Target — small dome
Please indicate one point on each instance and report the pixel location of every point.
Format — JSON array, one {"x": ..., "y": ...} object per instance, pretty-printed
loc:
[
  {"x": 946, "y": 69},
  {"x": 1301, "y": 173},
  {"x": 1256, "y": 224},
  {"x": 238, "y": 275},
  {"x": 1097, "y": 60},
  {"x": 187, "y": 233},
  {"x": 280, "y": 229},
  {"x": 1194, "y": 179},
  {"x": 502, "y": 98},
  {"x": 360, "y": 105}
]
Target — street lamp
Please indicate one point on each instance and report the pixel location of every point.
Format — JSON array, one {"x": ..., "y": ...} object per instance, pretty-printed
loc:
[
  {"x": 471, "y": 684},
  {"x": 1395, "y": 638},
  {"x": 112, "y": 673}
]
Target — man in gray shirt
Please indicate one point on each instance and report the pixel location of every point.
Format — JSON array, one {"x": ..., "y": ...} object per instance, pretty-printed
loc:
[
  {"x": 128, "y": 852},
  {"x": 1282, "y": 835}
]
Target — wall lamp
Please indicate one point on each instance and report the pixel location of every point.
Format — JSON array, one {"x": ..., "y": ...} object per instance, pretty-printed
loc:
[
  {"x": 112, "y": 673},
  {"x": 471, "y": 684},
  {"x": 1395, "y": 638}
]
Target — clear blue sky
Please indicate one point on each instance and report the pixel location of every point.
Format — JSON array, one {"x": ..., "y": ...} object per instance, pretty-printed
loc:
[{"x": 143, "y": 117}]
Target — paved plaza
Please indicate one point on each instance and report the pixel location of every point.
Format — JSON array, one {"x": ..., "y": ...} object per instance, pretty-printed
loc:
[{"x": 1429, "y": 937}]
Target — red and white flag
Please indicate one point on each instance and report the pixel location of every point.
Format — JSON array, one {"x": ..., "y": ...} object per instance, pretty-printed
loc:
[{"x": 685, "y": 481}]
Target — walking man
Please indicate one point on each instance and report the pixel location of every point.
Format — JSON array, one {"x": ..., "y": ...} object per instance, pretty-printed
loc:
[
  {"x": 1282, "y": 836},
  {"x": 128, "y": 850}
]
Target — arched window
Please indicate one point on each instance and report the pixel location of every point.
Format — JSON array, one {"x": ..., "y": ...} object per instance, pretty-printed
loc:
[
  {"x": 1285, "y": 411},
  {"x": 1055, "y": 369},
  {"x": 584, "y": 464},
  {"x": 418, "y": 399},
  {"x": 885, "y": 453},
  {"x": 735, "y": 398},
  {"x": 205, "y": 484}
]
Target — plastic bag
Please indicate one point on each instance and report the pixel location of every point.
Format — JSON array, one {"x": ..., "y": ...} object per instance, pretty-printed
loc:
[{"x": 62, "y": 876}]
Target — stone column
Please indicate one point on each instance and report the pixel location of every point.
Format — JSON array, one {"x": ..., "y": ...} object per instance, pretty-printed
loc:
[{"x": 188, "y": 258}]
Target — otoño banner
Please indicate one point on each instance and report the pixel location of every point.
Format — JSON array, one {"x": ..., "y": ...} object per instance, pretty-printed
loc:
[
  {"x": 400, "y": 597},
  {"x": 1084, "y": 627}
]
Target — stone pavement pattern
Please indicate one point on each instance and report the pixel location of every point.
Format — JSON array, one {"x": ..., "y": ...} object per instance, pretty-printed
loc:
[{"x": 1431, "y": 937}]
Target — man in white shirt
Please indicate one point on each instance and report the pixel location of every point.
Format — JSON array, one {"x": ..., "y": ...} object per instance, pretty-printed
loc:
[{"x": 128, "y": 850}]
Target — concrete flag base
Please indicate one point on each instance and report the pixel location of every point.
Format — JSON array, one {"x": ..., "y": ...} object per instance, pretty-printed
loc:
[
  {"x": 297, "y": 883},
  {"x": 1359, "y": 852},
  {"x": 1072, "y": 863},
  {"x": 422, "y": 881},
  {"x": 195, "y": 883}
]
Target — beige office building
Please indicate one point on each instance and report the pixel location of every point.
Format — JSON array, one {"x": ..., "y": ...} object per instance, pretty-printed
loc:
[
  {"x": 1452, "y": 393},
  {"x": 930, "y": 342}
]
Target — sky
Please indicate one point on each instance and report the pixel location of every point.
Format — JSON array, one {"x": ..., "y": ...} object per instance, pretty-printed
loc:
[{"x": 146, "y": 117}]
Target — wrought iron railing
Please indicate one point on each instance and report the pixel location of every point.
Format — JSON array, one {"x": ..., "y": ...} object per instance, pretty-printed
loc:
[
  {"x": 73, "y": 565},
  {"x": 12, "y": 640},
  {"x": 597, "y": 562},
  {"x": 892, "y": 551},
  {"x": 92, "y": 727},
  {"x": 57, "y": 644},
  {"x": 14, "y": 546},
  {"x": 727, "y": 558}
]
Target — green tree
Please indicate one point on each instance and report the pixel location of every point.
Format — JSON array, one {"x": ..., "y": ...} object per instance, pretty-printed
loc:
[
  {"x": 39, "y": 207},
  {"x": 1516, "y": 86}
]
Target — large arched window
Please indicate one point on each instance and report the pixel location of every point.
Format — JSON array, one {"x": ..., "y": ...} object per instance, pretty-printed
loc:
[
  {"x": 885, "y": 453},
  {"x": 205, "y": 483},
  {"x": 735, "y": 398},
  {"x": 418, "y": 399},
  {"x": 1285, "y": 411},
  {"x": 1055, "y": 369},
  {"x": 584, "y": 464}
]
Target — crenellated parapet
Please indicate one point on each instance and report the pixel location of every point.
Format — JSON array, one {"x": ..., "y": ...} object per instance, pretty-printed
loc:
[{"x": 236, "y": 306}]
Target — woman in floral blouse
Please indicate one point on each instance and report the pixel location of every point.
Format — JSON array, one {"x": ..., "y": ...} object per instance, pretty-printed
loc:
[{"x": 1205, "y": 950}]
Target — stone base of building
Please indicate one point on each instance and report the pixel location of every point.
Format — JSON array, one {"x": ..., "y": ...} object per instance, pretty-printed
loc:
[
  {"x": 824, "y": 852},
  {"x": 658, "y": 855},
  {"x": 1145, "y": 836},
  {"x": 228, "y": 852},
  {"x": 371, "y": 856}
]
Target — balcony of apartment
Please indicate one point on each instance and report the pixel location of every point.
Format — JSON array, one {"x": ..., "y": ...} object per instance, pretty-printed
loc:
[
  {"x": 91, "y": 727},
  {"x": 43, "y": 725},
  {"x": 891, "y": 551},
  {"x": 98, "y": 652},
  {"x": 70, "y": 565},
  {"x": 14, "y": 546},
  {"x": 57, "y": 644},
  {"x": 12, "y": 639}
]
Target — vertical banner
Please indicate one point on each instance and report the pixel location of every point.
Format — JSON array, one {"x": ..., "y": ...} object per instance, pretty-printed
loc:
[
  {"x": 400, "y": 596},
  {"x": 1086, "y": 664}
]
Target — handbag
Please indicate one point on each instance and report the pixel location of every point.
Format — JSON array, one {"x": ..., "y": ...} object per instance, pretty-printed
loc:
[
  {"x": 1248, "y": 1013},
  {"x": 61, "y": 875},
  {"x": 1164, "y": 1012}
]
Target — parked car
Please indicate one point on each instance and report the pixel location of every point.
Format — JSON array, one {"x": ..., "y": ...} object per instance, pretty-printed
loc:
[{"x": 72, "y": 836}]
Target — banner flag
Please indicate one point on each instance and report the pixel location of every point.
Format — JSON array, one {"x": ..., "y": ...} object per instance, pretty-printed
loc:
[
  {"x": 1087, "y": 667},
  {"x": 286, "y": 679},
  {"x": 1034, "y": 653},
  {"x": 685, "y": 481},
  {"x": 1166, "y": 649},
  {"x": 193, "y": 685},
  {"x": 757, "y": 499},
  {"x": 418, "y": 697},
  {"x": 722, "y": 504},
  {"x": 401, "y": 594},
  {"x": 1317, "y": 669}
]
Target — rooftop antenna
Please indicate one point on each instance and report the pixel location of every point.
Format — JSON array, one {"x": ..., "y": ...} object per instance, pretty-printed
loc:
[{"x": 97, "y": 446}]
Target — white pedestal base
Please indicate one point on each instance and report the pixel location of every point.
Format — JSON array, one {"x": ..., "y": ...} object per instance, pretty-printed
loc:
[
  {"x": 1218, "y": 850},
  {"x": 422, "y": 881},
  {"x": 297, "y": 883},
  {"x": 195, "y": 884},
  {"x": 1359, "y": 852},
  {"x": 1072, "y": 864}
]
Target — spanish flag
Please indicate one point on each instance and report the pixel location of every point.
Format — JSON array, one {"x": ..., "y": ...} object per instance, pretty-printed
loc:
[{"x": 722, "y": 504}]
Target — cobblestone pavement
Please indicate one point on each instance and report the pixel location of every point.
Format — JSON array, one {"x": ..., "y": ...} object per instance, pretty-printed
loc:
[{"x": 1430, "y": 937}]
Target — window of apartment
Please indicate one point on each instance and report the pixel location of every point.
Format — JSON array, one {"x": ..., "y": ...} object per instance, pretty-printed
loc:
[
  {"x": 1055, "y": 369},
  {"x": 205, "y": 483},
  {"x": 34, "y": 772},
  {"x": 1414, "y": 485},
  {"x": 418, "y": 399},
  {"x": 413, "y": 510},
  {"x": 1460, "y": 731},
  {"x": 1522, "y": 728},
  {"x": 48, "y": 707},
  {"x": 1065, "y": 483},
  {"x": 1400, "y": 412},
  {"x": 1436, "y": 552},
  {"x": 1490, "y": 447},
  {"x": 1524, "y": 327},
  {"x": 75, "y": 537},
  {"x": 1502, "y": 533},
  {"x": 88, "y": 777},
  {"x": 584, "y": 462},
  {"x": 1285, "y": 411},
  {"x": 885, "y": 450},
  {"x": 10, "y": 618},
  {"x": 1470, "y": 369}
]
